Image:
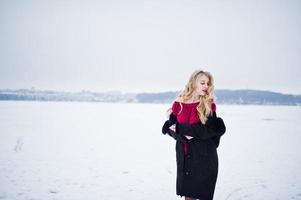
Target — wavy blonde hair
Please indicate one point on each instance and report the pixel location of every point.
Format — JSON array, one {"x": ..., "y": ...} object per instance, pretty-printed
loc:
[{"x": 204, "y": 107}]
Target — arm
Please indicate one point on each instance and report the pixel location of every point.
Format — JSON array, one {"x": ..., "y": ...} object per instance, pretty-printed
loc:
[
  {"x": 172, "y": 120},
  {"x": 216, "y": 140},
  {"x": 166, "y": 130},
  {"x": 214, "y": 127}
]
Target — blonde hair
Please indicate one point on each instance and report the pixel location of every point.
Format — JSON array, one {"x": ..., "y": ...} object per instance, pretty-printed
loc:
[{"x": 204, "y": 107}]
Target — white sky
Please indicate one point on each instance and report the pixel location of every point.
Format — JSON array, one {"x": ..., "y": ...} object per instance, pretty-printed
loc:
[{"x": 147, "y": 46}]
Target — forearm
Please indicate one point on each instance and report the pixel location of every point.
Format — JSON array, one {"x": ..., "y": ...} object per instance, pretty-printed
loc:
[
  {"x": 202, "y": 131},
  {"x": 195, "y": 130}
]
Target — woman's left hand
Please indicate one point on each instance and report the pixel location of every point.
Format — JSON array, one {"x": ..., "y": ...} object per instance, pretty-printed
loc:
[{"x": 173, "y": 127}]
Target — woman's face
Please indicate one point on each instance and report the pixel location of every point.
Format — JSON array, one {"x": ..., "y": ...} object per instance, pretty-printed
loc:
[{"x": 202, "y": 84}]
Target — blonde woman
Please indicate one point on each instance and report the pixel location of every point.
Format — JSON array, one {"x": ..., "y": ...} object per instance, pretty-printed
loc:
[{"x": 197, "y": 130}]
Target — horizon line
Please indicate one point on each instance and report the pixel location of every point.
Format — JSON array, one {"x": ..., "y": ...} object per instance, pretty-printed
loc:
[{"x": 120, "y": 91}]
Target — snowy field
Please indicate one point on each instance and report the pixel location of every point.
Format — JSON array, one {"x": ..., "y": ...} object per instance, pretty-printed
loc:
[{"x": 110, "y": 151}]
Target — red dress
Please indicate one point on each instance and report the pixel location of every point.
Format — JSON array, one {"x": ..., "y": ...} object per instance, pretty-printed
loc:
[{"x": 187, "y": 114}]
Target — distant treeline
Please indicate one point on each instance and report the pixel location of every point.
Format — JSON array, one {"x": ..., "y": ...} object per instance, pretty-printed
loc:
[{"x": 256, "y": 97}]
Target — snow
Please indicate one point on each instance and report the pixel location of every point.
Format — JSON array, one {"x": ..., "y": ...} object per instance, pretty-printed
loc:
[{"x": 72, "y": 150}]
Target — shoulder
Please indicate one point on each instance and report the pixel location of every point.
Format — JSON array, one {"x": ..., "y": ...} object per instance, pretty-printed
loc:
[
  {"x": 177, "y": 102},
  {"x": 176, "y": 107},
  {"x": 213, "y": 106}
]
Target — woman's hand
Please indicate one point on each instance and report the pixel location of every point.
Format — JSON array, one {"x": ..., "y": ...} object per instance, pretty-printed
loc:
[
  {"x": 188, "y": 137},
  {"x": 173, "y": 128}
]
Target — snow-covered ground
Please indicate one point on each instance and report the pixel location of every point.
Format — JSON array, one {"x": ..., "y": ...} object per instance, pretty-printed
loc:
[{"x": 79, "y": 151}]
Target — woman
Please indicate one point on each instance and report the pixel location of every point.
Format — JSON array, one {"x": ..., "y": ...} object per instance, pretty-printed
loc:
[{"x": 197, "y": 130}]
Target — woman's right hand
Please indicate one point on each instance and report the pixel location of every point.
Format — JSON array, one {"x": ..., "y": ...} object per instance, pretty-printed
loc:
[
  {"x": 173, "y": 128},
  {"x": 188, "y": 137}
]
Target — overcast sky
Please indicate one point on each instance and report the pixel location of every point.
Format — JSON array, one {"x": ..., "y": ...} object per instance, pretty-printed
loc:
[{"x": 148, "y": 46}]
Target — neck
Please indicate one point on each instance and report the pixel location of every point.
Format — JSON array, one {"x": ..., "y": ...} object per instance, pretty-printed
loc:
[{"x": 195, "y": 98}]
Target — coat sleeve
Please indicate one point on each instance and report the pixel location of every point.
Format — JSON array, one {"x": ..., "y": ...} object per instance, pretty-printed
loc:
[
  {"x": 216, "y": 140},
  {"x": 165, "y": 128},
  {"x": 214, "y": 127},
  {"x": 172, "y": 120}
]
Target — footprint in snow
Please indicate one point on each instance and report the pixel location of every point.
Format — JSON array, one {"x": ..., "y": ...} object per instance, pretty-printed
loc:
[
  {"x": 53, "y": 191},
  {"x": 19, "y": 144}
]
